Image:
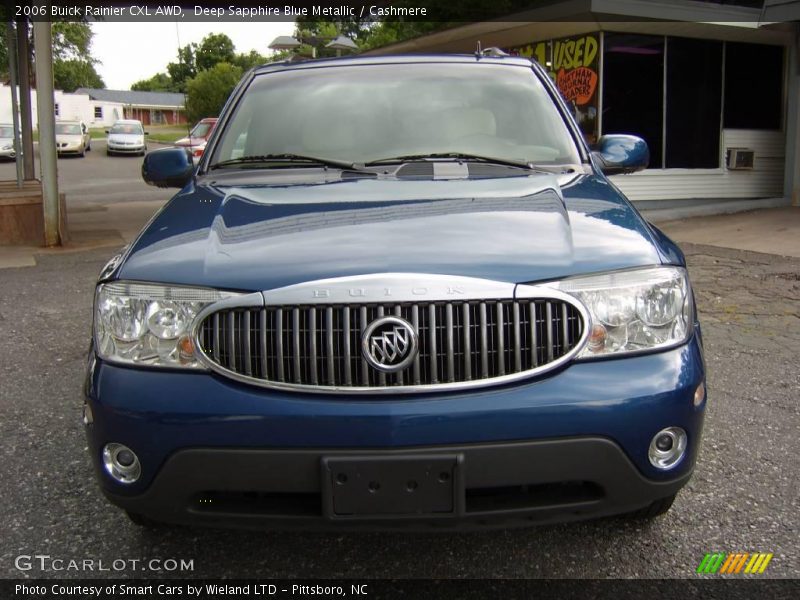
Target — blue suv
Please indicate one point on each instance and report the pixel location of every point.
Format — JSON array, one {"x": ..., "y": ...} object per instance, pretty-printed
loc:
[{"x": 395, "y": 291}]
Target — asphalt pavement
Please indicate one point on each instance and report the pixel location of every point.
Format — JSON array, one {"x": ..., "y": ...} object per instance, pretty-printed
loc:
[{"x": 743, "y": 497}]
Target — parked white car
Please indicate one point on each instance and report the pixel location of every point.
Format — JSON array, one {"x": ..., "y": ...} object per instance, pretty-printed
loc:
[
  {"x": 126, "y": 136},
  {"x": 72, "y": 137},
  {"x": 7, "y": 141}
]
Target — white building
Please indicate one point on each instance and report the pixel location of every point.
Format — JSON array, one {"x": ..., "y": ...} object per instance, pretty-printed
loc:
[{"x": 100, "y": 108}]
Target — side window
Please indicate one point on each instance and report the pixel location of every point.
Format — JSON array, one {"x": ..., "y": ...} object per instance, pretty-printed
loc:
[{"x": 98, "y": 112}]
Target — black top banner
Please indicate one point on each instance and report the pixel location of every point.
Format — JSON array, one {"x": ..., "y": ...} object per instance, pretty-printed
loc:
[{"x": 450, "y": 11}]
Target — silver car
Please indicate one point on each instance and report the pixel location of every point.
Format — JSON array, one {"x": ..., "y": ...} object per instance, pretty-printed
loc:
[
  {"x": 72, "y": 137},
  {"x": 126, "y": 137},
  {"x": 7, "y": 141}
]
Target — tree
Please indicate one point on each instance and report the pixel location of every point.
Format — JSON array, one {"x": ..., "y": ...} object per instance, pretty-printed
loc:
[
  {"x": 160, "y": 82},
  {"x": 73, "y": 63},
  {"x": 249, "y": 60},
  {"x": 69, "y": 75},
  {"x": 213, "y": 49},
  {"x": 207, "y": 92},
  {"x": 183, "y": 70}
]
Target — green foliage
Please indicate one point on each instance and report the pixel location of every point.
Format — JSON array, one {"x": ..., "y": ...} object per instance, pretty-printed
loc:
[
  {"x": 215, "y": 48},
  {"x": 73, "y": 63},
  {"x": 72, "y": 41},
  {"x": 69, "y": 75},
  {"x": 209, "y": 89},
  {"x": 249, "y": 60},
  {"x": 160, "y": 82},
  {"x": 183, "y": 70}
]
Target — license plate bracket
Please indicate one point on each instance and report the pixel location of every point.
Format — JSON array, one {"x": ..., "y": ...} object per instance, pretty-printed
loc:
[{"x": 392, "y": 486}]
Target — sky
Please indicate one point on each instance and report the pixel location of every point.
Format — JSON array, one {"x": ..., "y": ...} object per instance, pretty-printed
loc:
[{"x": 132, "y": 51}]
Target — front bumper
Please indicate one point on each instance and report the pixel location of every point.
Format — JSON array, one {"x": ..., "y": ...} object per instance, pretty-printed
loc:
[
  {"x": 125, "y": 149},
  {"x": 570, "y": 445},
  {"x": 70, "y": 149}
]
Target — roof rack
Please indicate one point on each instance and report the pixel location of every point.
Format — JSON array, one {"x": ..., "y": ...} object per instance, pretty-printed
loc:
[{"x": 493, "y": 51}]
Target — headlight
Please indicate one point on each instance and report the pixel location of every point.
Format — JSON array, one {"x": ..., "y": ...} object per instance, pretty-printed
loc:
[
  {"x": 8, "y": 147},
  {"x": 149, "y": 324},
  {"x": 631, "y": 311}
]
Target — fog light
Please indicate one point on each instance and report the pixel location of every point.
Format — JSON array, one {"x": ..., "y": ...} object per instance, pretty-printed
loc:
[
  {"x": 700, "y": 394},
  {"x": 667, "y": 448},
  {"x": 121, "y": 463}
]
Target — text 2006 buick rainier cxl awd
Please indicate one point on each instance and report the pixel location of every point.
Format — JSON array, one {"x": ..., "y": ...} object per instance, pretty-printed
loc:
[{"x": 396, "y": 291}]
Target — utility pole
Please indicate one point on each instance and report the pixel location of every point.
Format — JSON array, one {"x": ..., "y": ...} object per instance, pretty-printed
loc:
[
  {"x": 23, "y": 58},
  {"x": 11, "y": 44},
  {"x": 43, "y": 41}
]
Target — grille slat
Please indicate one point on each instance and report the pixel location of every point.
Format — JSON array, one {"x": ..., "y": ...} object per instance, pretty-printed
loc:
[
  {"x": 245, "y": 335},
  {"x": 348, "y": 367},
  {"x": 460, "y": 341},
  {"x": 381, "y": 375},
  {"x": 433, "y": 354},
  {"x": 312, "y": 343},
  {"x": 451, "y": 365},
  {"x": 296, "y": 345},
  {"x": 279, "y": 343},
  {"x": 467, "y": 342}
]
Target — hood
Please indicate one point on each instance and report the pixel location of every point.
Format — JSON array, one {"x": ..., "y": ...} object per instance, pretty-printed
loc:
[
  {"x": 190, "y": 141},
  {"x": 258, "y": 237},
  {"x": 125, "y": 137},
  {"x": 69, "y": 137}
]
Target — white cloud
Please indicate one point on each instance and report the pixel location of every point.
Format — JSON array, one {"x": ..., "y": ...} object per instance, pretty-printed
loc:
[{"x": 133, "y": 51}]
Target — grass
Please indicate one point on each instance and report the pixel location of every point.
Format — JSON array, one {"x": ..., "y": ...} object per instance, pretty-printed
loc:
[{"x": 165, "y": 133}]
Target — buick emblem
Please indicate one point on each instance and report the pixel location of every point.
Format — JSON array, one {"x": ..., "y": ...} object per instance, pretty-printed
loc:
[{"x": 389, "y": 344}]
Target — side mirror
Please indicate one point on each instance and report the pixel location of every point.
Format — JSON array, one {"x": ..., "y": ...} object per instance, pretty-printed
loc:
[
  {"x": 617, "y": 154},
  {"x": 108, "y": 131},
  {"x": 168, "y": 167},
  {"x": 147, "y": 133}
]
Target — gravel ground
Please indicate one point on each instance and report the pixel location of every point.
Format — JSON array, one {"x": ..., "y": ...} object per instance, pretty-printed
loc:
[{"x": 743, "y": 497}]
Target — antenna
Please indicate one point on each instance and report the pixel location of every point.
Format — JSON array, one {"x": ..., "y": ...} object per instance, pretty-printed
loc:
[{"x": 188, "y": 125}]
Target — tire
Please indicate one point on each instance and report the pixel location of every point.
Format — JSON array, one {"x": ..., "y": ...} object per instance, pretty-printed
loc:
[
  {"x": 108, "y": 152},
  {"x": 655, "y": 509},
  {"x": 89, "y": 147}
]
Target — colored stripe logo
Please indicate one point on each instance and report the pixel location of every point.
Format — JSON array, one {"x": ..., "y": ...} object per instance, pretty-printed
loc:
[{"x": 736, "y": 562}]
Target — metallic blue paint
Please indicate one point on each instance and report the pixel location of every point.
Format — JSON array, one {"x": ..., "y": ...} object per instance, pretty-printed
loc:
[
  {"x": 264, "y": 231},
  {"x": 157, "y": 412},
  {"x": 257, "y": 230},
  {"x": 168, "y": 167},
  {"x": 618, "y": 154}
]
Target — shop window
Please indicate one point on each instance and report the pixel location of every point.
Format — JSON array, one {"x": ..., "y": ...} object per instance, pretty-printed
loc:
[
  {"x": 98, "y": 112},
  {"x": 694, "y": 99},
  {"x": 573, "y": 64},
  {"x": 753, "y": 86},
  {"x": 633, "y": 88}
]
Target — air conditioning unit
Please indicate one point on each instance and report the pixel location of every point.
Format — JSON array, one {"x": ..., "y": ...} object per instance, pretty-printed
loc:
[{"x": 740, "y": 158}]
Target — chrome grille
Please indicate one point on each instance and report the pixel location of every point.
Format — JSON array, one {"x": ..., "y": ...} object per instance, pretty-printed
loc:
[{"x": 319, "y": 346}]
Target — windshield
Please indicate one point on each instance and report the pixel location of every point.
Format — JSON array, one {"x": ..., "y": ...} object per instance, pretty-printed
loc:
[
  {"x": 200, "y": 130},
  {"x": 368, "y": 113},
  {"x": 127, "y": 128},
  {"x": 6, "y": 132},
  {"x": 68, "y": 129}
]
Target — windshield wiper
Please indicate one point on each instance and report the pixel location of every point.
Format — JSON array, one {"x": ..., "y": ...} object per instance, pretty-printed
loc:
[
  {"x": 286, "y": 157},
  {"x": 522, "y": 164}
]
